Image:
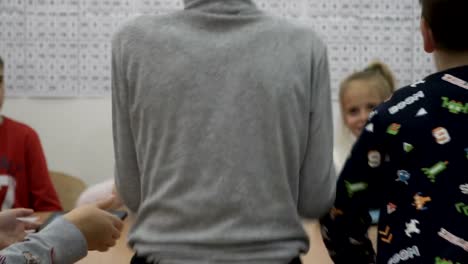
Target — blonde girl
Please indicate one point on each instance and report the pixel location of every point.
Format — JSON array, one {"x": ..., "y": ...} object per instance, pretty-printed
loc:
[{"x": 359, "y": 94}]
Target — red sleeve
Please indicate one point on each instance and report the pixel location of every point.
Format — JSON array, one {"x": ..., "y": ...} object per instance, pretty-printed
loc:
[{"x": 42, "y": 196}]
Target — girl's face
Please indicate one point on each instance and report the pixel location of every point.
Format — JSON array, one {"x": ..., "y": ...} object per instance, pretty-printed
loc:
[{"x": 359, "y": 98}]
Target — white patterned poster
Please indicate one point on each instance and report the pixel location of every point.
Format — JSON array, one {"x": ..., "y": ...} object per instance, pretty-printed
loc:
[{"x": 61, "y": 48}]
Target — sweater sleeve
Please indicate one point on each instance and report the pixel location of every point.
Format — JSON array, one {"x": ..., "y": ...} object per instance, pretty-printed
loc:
[
  {"x": 60, "y": 242},
  {"x": 43, "y": 196},
  {"x": 317, "y": 179},
  {"x": 127, "y": 172}
]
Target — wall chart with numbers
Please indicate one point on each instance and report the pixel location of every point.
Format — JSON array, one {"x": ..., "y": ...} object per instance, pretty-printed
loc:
[{"x": 61, "y": 48}]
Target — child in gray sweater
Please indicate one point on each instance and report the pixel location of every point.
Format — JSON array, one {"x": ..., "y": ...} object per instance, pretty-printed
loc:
[{"x": 222, "y": 133}]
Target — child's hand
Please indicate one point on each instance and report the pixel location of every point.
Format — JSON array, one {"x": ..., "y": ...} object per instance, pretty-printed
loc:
[
  {"x": 12, "y": 229},
  {"x": 100, "y": 228}
]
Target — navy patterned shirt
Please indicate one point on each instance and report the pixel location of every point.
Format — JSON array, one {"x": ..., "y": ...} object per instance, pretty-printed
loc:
[{"x": 411, "y": 161}]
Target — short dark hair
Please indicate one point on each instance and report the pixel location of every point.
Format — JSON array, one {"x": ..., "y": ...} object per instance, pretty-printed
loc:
[
  {"x": 445, "y": 17},
  {"x": 1, "y": 62}
]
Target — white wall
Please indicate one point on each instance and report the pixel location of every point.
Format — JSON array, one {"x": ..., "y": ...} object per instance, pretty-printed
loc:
[{"x": 76, "y": 134}]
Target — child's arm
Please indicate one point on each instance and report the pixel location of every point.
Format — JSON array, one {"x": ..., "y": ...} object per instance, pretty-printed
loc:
[
  {"x": 66, "y": 239},
  {"x": 127, "y": 170},
  {"x": 345, "y": 227},
  {"x": 317, "y": 175}
]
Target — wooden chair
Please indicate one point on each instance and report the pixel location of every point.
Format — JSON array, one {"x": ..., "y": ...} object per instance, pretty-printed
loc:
[{"x": 68, "y": 188}]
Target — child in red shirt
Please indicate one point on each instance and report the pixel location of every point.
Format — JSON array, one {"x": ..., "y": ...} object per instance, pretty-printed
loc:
[{"x": 24, "y": 177}]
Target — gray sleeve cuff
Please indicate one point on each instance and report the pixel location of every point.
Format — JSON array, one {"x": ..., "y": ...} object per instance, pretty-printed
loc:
[
  {"x": 60, "y": 242},
  {"x": 67, "y": 240}
]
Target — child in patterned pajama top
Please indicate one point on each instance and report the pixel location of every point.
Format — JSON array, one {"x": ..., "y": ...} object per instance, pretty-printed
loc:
[{"x": 412, "y": 159}]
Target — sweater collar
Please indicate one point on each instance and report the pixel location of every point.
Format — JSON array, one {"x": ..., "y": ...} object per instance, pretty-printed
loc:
[{"x": 220, "y": 6}]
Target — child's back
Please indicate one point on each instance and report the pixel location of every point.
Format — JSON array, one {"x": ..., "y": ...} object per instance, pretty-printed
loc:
[{"x": 412, "y": 161}]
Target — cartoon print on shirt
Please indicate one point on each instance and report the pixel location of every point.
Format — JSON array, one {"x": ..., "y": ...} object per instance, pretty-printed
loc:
[
  {"x": 391, "y": 207},
  {"x": 412, "y": 228},
  {"x": 453, "y": 106},
  {"x": 441, "y": 135},
  {"x": 462, "y": 208},
  {"x": 420, "y": 201},
  {"x": 334, "y": 212},
  {"x": 407, "y": 147},
  {"x": 404, "y": 255},
  {"x": 457, "y": 241},
  {"x": 433, "y": 171},
  {"x": 408, "y": 101},
  {"x": 386, "y": 236},
  {"x": 403, "y": 176},
  {"x": 394, "y": 129},
  {"x": 455, "y": 80},
  {"x": 370, "y": 128},
  {"x": 374, "y": 159},
  {"x": 464, "y": 188},
  {"x": 418, "y": 83},
  {"x": 353, "y": 188},
  {"x": 421, "y": 112},
  {"x": 439, "y": 260}
]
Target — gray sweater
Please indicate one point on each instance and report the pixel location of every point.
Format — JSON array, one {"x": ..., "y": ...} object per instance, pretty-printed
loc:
[{"x": 223, "y": 133}]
